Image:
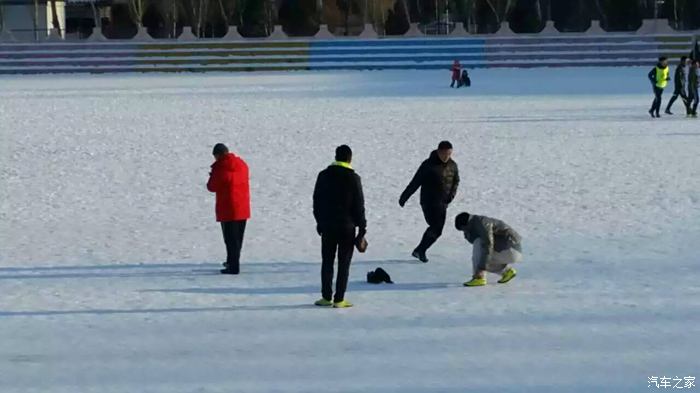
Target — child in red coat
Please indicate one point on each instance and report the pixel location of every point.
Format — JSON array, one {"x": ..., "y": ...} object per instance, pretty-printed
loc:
[{"x": 456, "y": 73}]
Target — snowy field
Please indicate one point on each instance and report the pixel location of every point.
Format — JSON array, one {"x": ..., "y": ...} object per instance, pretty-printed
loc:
[{"x": 109, "y": 250}]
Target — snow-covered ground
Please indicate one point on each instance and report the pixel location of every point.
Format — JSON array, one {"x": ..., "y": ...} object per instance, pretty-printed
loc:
[{"x": 109, "y": 250}]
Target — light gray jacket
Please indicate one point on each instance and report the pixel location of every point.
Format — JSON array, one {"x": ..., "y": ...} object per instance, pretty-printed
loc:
[{"x": 495, "y": 234}]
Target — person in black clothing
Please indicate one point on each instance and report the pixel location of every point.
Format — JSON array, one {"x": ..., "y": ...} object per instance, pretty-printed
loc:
[
  {"x": 438, "y": 179},
  {"x": 339, "y": 208},
  {"x": 679, "y": 82},
  {"x": 694, "y": 96},
  {"x": 465, "y": 81}
]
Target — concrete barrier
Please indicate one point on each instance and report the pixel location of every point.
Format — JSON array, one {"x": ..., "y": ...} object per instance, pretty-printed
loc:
[
  {"x": 278, "y": 33},
  {"x": 504, "y": 30},
  {"x": 142, "y": 35},
  {"x": 232, "y": 34},
  {"x": 323, "y": 33},
  {"x": 655, "y": 26},
  {"x": 187, "y": 34},
  {"x": 368, "y": 32},
  {"x": 97, "y": 35},
  {"x": 549, "y": 29},
  {"x": 595, "y": 28},
  {"x": 413, "y": 31},
  {"x": 459, "y": 31}
]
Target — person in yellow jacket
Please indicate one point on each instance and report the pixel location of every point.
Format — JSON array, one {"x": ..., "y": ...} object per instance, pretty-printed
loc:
[{"x": 659, "y": 77}]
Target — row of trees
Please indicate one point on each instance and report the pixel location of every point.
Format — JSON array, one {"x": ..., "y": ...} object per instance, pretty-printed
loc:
[
  {"x": 257, "y": 18},
  {"x": 303, "y": 17}
]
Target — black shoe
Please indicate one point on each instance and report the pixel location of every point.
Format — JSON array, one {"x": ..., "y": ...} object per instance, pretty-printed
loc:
[
  {"x": 651, "y": 112},
  {"x": 658, "y": 116},
  {"x": 420, "y": 255},
  {"x": 228, "y": 271},
  {"x": 668, "y": 112},
  {"x": 225, "y": 264}
]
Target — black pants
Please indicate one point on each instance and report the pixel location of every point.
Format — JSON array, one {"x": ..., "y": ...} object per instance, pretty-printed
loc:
[
  {"x": 656, "y": 105},
  {"x": 342, "y": 242},
  {"x": 435, "y": 216},
  {"x": 233, "y": 237},
  {"x": 693, "y": 102},
  {"x": 684, "y": 98}
]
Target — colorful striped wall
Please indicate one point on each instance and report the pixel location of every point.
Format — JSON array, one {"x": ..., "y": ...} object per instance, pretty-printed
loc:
[{"x": 338, "y": 54}]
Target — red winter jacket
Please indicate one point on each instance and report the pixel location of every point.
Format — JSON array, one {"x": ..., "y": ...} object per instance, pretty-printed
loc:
[
  {"x": 456, "y": 71},
  {"x": 229, "y": 180}
]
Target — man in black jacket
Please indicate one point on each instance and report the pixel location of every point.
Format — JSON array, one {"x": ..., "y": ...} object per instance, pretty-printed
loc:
[
  {"x": 679, "y": 83},
  {"x": 438, "y": 179},
  {"x": 693, "y": 95},
  {"x": 339, "y": 207}
]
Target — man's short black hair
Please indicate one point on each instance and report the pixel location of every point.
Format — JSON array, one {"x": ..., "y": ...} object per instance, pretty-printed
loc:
[
  {"x": 445, "y": 145},
  {"x": 461, "y": 220},
  {"x": 343, "y": 153},
  {"x": 219, "y": 148},
  {"x": 663, "y": 58},
  {"x": 683, "y": 59}
]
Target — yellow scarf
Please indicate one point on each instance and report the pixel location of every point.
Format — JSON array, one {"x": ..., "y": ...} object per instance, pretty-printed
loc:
[{"x": 343, "y": 164}]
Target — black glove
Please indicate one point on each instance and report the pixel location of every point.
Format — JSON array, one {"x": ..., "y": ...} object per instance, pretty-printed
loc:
[
  {"x": 402, "y": 201},
  {"x": 361, "y": 233}
]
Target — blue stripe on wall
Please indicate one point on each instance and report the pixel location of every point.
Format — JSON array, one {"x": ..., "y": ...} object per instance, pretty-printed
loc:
[
  {"x": 386, "y": 51},
  {"x": 341, "y": 43},
  {"x": 475, "y": 52}
]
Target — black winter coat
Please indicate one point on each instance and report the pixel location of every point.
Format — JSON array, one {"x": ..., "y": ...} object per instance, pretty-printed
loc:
[
  {"x": 693, "y": 79},
  {"x": 438, "y": 182},
  {"x": 679, "y": 79},
  {"x": 338, "y": 199}
]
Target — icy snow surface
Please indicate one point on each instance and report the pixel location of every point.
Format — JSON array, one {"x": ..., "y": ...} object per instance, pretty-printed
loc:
[{"x": 109, "y": 250}]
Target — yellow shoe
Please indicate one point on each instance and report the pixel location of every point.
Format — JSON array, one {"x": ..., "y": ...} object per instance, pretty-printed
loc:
[
  {"x": 323, "y": 303},
  {"x": 476, "y": 282},
  {"x": 508, "y": 275},
  {"x": 342, "y": 304}
]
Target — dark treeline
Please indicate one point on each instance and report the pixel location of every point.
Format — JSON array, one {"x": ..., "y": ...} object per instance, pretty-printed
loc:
[{"x": 257, "y": 18}]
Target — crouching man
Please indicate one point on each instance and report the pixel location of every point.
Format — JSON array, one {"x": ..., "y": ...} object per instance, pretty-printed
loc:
[{"x": 496, "y": 247}]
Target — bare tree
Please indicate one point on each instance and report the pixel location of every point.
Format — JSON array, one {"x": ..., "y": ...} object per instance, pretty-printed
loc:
[
  {"x": 95, "y": 15},
  {"x": 491, "y": 5},
  {"x": 262, "y": 10},
  {"x": 136, "y": 10},
  {"x": 222, "y": 10},
  {"x": 406, "y": 12},
  {"x": 54, "y": 20}
]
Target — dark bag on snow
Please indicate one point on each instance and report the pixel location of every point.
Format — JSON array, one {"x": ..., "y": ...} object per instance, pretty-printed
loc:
[{"x": 378, "y": 276}]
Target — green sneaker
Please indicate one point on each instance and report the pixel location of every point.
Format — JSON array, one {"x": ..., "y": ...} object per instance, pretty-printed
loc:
[
  {"x": 342, "y": 304},
  {"x": 476, "y": 282},
  {"x": 508, "y": 275},
  {"x": 323, "y": 303}
]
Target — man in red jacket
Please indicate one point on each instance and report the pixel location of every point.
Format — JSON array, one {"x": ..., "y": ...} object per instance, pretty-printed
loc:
[{"x": 229, "y": 180}]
